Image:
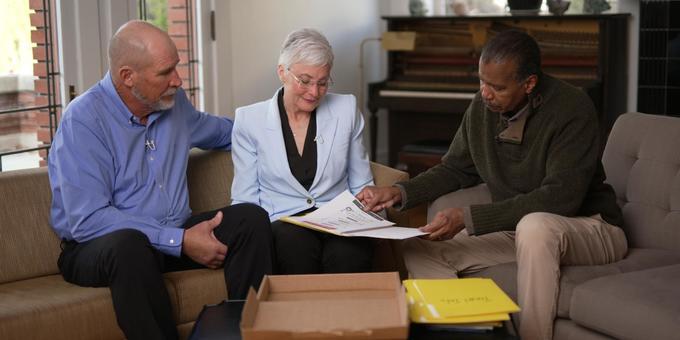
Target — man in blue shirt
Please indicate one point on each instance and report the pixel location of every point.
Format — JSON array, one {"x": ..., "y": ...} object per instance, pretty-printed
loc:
[{"x": 120, "y": 203}]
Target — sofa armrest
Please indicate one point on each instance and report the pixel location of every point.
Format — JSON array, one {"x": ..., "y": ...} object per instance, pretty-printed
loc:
[{"x": 384, "y": 175}]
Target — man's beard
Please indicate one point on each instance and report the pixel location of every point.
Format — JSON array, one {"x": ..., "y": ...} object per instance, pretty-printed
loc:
[
  {"x": 491, "y": 107},
  {"x": 159, "y": 105}
]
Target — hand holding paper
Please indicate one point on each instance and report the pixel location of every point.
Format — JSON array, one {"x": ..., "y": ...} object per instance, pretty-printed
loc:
[
  {"x": 346, "y": 216},
  {"x": 378, "y": 198}
]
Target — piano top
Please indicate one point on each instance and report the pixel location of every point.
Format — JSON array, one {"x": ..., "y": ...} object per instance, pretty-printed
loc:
[
  {"x": 539, "y": 16},
  {"x": 385, "y": 95}
]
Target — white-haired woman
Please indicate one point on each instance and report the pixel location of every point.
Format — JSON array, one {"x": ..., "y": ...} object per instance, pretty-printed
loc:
[{"x": 298, "y": 150}]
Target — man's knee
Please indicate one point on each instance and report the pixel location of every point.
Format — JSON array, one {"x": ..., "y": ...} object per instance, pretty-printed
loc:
[
  {"x": 254, "y": 220},
  {"x": 536, "y": 228},
  {"x": 253, "y": 212}
]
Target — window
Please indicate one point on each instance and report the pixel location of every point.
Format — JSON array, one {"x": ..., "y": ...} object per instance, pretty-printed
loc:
[
  {"x": 29, "y": 100},
  {"x": 30, "y": 93},
  {"x": 659, "y": 58},
  {"x": 177, "y": 17}
]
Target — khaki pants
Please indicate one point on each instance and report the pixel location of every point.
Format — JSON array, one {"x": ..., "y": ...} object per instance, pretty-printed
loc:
[{"x": 541, "y": 243}]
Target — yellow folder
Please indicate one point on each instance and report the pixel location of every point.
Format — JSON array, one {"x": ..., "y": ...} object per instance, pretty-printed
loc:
[
  {"x": 419, "y": 313},
  {"x": 473, "y": 299}
]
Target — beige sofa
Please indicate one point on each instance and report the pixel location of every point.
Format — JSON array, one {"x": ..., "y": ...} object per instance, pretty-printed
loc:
[
  {"x": 36, "y": 303},
  {"x": 639, "y": 296}
]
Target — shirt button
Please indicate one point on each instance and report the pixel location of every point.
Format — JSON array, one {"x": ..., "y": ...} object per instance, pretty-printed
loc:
[
  {"x": 150, "y": 158},
  {"x": 309, "y": 201},
  {"x": 160, "y": 186},
  {"x": 172, "y": 241}
]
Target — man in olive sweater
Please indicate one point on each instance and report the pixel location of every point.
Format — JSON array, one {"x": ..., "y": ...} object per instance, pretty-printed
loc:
[{"x": 522, "y": 181}]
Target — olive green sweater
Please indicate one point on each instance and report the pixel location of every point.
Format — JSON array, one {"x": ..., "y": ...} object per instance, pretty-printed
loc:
[{"x": 554, "y": 168}]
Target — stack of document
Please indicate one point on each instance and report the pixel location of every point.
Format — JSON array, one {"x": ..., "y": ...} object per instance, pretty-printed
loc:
[
  {"x": 473, "y": 303},
  {"x": 346, "y": 216}
]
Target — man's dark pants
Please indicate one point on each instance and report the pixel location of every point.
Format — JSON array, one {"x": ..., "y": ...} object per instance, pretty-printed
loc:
[{"x": 126, "y": 262}]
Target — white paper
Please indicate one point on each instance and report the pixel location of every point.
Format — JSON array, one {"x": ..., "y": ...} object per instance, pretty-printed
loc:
[
  {"x": 393, "y": 233},
  {"x": 345, "y": 216}
]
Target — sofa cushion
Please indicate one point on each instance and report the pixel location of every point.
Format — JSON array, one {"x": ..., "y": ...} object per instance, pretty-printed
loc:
[
  {"x": 28, "y": 246},
  {"x": 505, "y": 275},
  {"x": 190, "y": 290},
  {"x": 565, "y": 329},
  {"x": 637, "y": 305},
  {"x": 50, "y": 308},
  {"x": 209, "y": 176},
  {"x": 636, "y": 259},
  {"x": 644, "y": 170}
]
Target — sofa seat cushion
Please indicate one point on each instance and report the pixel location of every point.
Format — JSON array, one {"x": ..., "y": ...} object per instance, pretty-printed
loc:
[
  {"x": 566, "y": 329},
  {"x": 505, "y": 275},
  {"x": 636, "y": 259},
  {"x": 50, "y": 308},
  {"x": 636, "y": 305},
  {"x": 190, "y": 290}
]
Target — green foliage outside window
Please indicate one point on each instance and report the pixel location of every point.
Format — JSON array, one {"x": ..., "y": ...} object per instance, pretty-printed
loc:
[
  {"x": 157, "y": 13},
  {"x": 15, "y": 39}
]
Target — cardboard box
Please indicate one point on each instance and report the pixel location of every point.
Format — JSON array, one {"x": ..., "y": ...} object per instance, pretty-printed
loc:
[{"x": 323, "y": 306}]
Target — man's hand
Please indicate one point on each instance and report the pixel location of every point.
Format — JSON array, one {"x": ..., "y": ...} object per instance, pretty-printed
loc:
[
  {"x": 201, "y": 245},
  {"x": 378, "y": 198},
  {"x": 445, "y": 225}
]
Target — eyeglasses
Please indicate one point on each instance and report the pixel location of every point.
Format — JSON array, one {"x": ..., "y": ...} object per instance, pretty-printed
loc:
[{"x": 306, "y": 84}]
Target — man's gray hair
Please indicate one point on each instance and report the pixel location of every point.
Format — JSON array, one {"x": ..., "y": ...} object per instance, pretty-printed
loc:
[{"x": 306, "y": 46}]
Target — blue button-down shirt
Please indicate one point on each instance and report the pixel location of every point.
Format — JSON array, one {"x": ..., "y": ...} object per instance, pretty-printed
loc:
[{"x": 108, "y": 172}]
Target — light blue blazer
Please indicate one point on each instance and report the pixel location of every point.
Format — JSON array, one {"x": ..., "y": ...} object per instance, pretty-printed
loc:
[{"x": 261, "y": 172}]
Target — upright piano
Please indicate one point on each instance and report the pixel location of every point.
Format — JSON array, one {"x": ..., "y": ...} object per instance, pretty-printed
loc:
[{"x": 428, "y": 89}]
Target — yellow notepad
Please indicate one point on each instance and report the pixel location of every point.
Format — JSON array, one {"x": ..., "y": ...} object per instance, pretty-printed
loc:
[{"x": 448, "y": 298}]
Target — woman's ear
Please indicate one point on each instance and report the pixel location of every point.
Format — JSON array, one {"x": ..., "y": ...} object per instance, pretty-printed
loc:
[{"x": 281, "y": 72}]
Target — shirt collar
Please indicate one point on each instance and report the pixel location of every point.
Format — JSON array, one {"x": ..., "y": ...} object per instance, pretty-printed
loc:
[
  {"x": 519, "y": 113},
  {"x": 110, "y": 90},
  {"x": 123, "y": 110}
]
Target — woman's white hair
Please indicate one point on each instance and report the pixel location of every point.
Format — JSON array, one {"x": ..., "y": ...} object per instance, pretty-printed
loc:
[{"x": 306, "y": 46}]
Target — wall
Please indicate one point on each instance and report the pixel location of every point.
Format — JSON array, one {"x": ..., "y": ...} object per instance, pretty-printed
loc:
[
  {"x": 249, "y": 37},
  {"x": 85, "y": 29},
  {"x": 632, "y": 7},
  {"x": 258, "y": 27},
  {"x": 239, "y": 65}
]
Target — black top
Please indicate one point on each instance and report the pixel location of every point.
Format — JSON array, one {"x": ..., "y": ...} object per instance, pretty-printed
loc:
[{"x": 303, "y": 167}]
